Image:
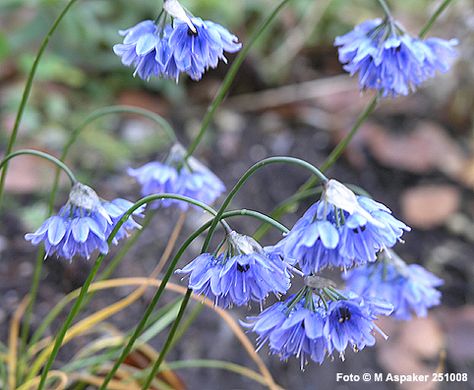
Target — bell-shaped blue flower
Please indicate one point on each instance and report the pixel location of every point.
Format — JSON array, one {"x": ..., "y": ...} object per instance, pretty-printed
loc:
[
  {"x": 244, "y": 272},
  {"x": 196, "y": 51},
  {"x": 390, "y": 60},
  {"x": 188, "y": 178},
  {"x": 410, "y": 288},
  {"x": 83, "y": 225}
]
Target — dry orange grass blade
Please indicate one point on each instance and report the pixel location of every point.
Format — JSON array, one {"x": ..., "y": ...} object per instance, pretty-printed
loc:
[
  {"x": 60, "y": 376},
  {"x": 13, "y": 341}
]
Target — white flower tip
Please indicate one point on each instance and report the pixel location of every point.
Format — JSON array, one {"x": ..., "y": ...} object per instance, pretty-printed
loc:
[
  {"x": 176, "y": 10},
  {"x": 340, "y": 196}
]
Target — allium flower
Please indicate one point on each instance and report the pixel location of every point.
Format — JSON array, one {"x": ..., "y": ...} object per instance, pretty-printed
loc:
[
  {"x": 390, "y": 60},
  {"x": 310, "y": 329},
  {"x": 410, "y": 288},
  {"x": 351, "y": 321},
  {"x": 190, "y": 45},
  {"x": 340, "y": 230},
  {"x": 244, "y": 272},
  {"x": 83, "y": 225},
  {"x": 292, "y": 332},
  {"x": 190, "y": 178},
  {"x": 195, "y": 52}
]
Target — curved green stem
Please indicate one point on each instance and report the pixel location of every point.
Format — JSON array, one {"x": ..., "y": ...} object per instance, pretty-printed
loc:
[
  {"x": 27, "y": 90},
  {"x": 229, "y": 78},
  {"x": 169, "y": 340},
  {"x": 246, "y": 176},
  {"x": 154, "y": 301},
  {"x": 37, "y": 153},
  {"x": 433, "y": 18}
]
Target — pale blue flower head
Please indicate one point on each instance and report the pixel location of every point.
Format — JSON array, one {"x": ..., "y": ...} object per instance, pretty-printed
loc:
[
  {"x": 410, "y": 288},
  {"x": 242, "y": 273},
  {"x": 390, "y": 60},
  {"x": 312, "y": 324},
  {"x": 341, "y": 230},
  {"x": 188, "y": 45},
  {"x": 196, "y": 51},
  {"x": 176, "y": 176},
  {"x": 83, "y": 225}
]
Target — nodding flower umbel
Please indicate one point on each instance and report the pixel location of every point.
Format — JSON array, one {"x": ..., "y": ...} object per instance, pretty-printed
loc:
[
  {"x": 188, "y": 45},
  {"x": 175, "y": 175},
  {"x": 242, "y": 273},
  {"x": 390, "y": 60},
  {"x": 83, "y": 225},
  {"x": 340, "y": 230}
]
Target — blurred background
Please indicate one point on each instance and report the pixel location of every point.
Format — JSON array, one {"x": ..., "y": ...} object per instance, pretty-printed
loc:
[{"x": 415, "y": 154}]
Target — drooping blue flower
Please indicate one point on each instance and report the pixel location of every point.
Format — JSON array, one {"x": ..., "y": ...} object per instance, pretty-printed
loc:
[
  {"x": 244, "y": 272},
  {"x": 196, "y": 51},
  {"x": 410, "y": 288},
  {"x": 145, "y": 47},
  {"x": 340, "y": 230},
  {"x": 390, "y": 60},
  {"x": 297, "y": 331},
  {"x": 190, "y": 178},
  {"x": 351, "y": 321},
  {"x": 82, "y": 226}
]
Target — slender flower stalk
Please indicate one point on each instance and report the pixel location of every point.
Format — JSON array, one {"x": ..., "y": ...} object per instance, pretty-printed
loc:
[
  {"x": 230, "y": 76},
  {"x": 271, "y": 160}
]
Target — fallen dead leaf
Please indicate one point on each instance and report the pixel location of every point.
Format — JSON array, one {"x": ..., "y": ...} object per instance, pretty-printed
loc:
[{"x": 429, "y": 206}]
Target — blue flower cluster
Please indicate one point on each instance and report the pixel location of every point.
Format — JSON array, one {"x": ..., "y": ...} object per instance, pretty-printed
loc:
[
  {"x": 391, "y": 61},
  {"x": 243, "y": 272},
  {"x": 167, "y": 51},
  {"x": 176, "y": 176},
  {"x": 83, "y": 225},
  {"x": 335, "y": 234},
  {"x": 410, "y": 288},
  {"x": 303, "y": 328}
]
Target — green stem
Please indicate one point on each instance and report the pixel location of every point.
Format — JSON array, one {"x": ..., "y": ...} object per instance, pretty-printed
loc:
[
  {"x": 169, "y": 340},
  {"x": 247, "y": 175},
  {"x": 37, "y": 153},
  {"x": 27, "y": 90},
  {"x": 341, "y": 146},
  {"x": 77, "y": 305},
  {"x": 433, "y": 18},
  {"x": 385, "y": 8},
  {"x": 229, "y": 78},
  {"x": 126, "y": 247},
  {"x": 154, "y": 301}
]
